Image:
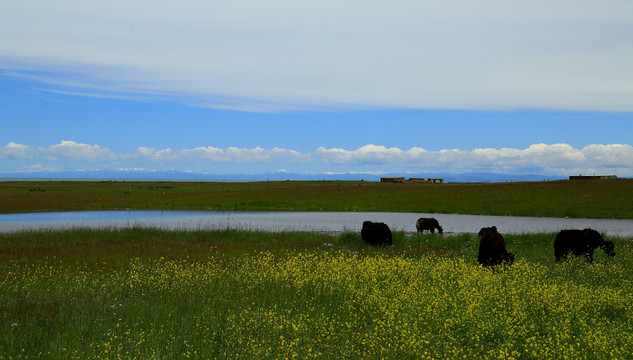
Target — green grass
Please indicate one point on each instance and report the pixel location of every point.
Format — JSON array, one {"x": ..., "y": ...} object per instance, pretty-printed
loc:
[
  {"x": 587, "y": 199},
  {"x": 228, "y": 294}
]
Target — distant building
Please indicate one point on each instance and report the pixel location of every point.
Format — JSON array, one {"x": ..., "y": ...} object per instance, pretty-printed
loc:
[
  {"x": 592, "y": 177},
  {"x": 411, "y": 180},
  {"x": 392, "y": 180},
  {"x": 417, "y": 180}
]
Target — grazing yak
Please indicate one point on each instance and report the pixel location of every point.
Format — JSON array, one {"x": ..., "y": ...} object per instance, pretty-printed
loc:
[
  {"x": 492, "y": 248},
  {"x": 376, "y": 233},
  {"x": 485, "y": 230},
  {"x": 581, "y": 242},
  {"x": 428, "y": 224}
]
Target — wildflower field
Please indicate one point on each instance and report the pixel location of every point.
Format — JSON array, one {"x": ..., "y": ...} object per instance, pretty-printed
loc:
[{"x": 150, "y": 294}]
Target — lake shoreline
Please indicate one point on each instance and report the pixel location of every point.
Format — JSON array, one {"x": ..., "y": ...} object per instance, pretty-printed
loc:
[{"x": 309, "y": 221}]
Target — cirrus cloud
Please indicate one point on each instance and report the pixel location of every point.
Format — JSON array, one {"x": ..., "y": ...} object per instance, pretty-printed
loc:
[{"x": 285, "y": 55}]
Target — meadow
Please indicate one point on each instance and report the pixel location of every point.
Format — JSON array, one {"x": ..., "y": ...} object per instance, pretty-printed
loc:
[
  {"x": 230, "y": 294},
  {"x": 577, "y": 199}
]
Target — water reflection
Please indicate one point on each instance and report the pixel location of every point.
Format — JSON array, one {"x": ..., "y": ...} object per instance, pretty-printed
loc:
[{"x": 297, "y": 221}]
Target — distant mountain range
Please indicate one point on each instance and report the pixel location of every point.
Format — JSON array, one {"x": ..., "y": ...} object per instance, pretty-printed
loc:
[{"x": 129, "y": 175}]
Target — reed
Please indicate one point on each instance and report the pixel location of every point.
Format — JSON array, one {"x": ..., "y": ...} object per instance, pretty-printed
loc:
[{"x": 227, "y": 294}]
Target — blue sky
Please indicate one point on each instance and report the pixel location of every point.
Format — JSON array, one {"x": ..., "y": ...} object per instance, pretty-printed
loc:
[{"x": 542, "y": 87}]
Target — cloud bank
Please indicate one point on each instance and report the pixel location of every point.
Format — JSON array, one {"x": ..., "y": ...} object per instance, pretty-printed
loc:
[
  {"x": 550, "y": 159},
  {"x": 286, "y": 55}
]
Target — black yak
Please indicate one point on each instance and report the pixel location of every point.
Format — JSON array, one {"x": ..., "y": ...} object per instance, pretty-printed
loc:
[
  {"x": 492, "y": 248},
  {"x": 483, "y": 231},
  {"x": 376, "y": 233},
  {"x": 581, "y": 242},
  {"x": 428, "y": 224}
]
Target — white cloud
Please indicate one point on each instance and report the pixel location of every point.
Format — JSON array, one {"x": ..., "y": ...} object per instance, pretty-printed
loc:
[
  {"x": 79, "y": 152},
  {"x": 151, "y": 155},
  {"x": 16, "y": 151},
  {"x": 284, "y": 54},
  {"x": 548, "y": 159},
  {"x": 557, "y": 159},
  {"x": 42, "y": 168},
  {"x": 65, "y": 150},
  {"x": 610, "y": 155},
  {"x": 368, "y": 154},
  {"x": 215, "y": 155}
]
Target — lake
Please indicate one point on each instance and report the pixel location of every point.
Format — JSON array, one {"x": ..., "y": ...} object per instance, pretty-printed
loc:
[{"x": 331, "y": 222}]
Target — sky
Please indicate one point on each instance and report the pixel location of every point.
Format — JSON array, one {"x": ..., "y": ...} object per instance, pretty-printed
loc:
[{"x": 310, "y": 87}]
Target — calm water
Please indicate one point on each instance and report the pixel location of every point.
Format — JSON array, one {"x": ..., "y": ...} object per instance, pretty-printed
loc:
[{"x": 297, "y": 221}]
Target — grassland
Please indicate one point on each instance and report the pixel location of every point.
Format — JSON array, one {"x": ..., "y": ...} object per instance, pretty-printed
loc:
[
  {"x": 226, "y": 294},
  {"x": 588, "y": 199}
]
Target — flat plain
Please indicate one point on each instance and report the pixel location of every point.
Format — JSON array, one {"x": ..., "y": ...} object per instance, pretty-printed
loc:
[
  {"x": 576, "y": 199},
  {"x": 229, "y": 294}
]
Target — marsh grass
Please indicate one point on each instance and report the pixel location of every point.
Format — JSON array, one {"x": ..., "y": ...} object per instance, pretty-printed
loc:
[{"x": 227, "y": 294}]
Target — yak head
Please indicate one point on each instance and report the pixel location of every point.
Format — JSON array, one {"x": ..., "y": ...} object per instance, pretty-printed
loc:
[{"x": 487, "y": 230}]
